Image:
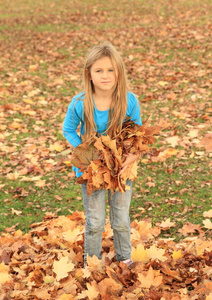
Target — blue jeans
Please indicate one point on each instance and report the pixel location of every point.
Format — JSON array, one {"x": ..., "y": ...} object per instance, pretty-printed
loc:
[{"x": 94, "y": 206}]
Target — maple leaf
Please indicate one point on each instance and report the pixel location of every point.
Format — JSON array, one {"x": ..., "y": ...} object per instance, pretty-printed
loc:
[
  {"x": 189, "y": 228},
  {"x": 62, "y": 267},
  {"x": 94, "y": 263},
  {"x": 139, "y": 254},
  {"x": 207, "y": 214},
  {"x": 83, "y": 155},
  {"x": 91, "y": 292},
  {"x": 41, "y": 293},
  {"x": 155, "y": 253},
  {"x": 166, "y": 224},
  {"x": 4, "y": 273},
  {"x": 207, "y": 224},
  {"x": 150, "y": 279},
  {"x": 110, "y": 286},
  {"x": 177, "y": 254},
  {"x": 72, "y": 236},
  {"x": 207, "y": 142}
]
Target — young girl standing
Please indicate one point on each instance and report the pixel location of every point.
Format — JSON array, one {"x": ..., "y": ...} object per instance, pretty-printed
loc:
[{"x": 103, "y": 107}]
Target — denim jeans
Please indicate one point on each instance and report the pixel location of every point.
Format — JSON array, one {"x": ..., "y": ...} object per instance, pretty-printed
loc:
[{"x": 94, "y": 207}]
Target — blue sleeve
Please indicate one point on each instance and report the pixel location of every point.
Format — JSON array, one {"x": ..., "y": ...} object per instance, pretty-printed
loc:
[
  {"x": 71, "y": 122},
  {"x": 133, "y": 109}
]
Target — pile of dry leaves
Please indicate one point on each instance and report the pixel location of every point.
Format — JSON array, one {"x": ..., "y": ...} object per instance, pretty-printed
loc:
[
  {"x": 47, "y": 263},
  {"x": 101, "y": 158}
]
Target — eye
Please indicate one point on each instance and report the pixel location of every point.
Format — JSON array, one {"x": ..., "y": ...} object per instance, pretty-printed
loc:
[{"x": 111, "y": 70}]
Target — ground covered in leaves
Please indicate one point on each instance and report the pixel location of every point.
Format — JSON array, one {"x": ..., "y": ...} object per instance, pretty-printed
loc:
[{"x": 47, "y": 263}]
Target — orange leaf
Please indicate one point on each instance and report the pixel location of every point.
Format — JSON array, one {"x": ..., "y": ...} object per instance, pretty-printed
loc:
[{"x": 148, "y": 280}]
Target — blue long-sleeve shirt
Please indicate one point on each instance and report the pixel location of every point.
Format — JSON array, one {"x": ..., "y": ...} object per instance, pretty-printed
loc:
[{"x": 75, "y": 116}]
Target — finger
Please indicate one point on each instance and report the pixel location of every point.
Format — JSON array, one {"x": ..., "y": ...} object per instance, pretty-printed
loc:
[{"x": 122, "y": 170}]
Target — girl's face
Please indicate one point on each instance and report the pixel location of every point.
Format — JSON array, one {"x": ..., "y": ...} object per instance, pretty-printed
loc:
[{"x": 103, "y": 75}]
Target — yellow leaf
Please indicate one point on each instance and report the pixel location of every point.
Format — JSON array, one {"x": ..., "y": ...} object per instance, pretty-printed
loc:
[
  {"x": 18, "y": 233},
  {"x": 169, "y": 152},
  {"x": 33, "y": 67},
  {"x": 29, "y": 112},
  {"x": 56, "y": 147},
  {"x": 72, "y": 236},
  {"x": 86, "y": 273},
  {"x": 163, "y": 83},
  {"x": 139, "y": 254},
  {"x": 207, "y": 224},
  {"x": 40, "y": 183},
  {"x": 167, "y": 224},
  {"x": 68, "y": 163},
  {"x": 94, "y": 262},
  {"x": 66, "y": 297},
  {"x": 4, "y": 276},
  {"x": 173, "y": 140},
  {"x": 62, "y": 267},
  {"x": 127, "y": 187},
  {"x": 15, "y": 125},
  {"x": 16, "y": 212},
  {"x": 150, "y": 279},
  {"x": 13, "y": 176},
  {"x": 29, "y": 101},
  {"x": 207, "y": 214},
  {"x": 177, "y": 254},
  {"x": 155, "y": 253}
]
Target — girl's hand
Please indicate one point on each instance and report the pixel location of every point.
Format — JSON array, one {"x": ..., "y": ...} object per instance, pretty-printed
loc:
[{"x": 130, "y": 159}]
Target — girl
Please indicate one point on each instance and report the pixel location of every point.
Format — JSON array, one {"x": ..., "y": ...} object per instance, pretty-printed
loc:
[{"x": 102, "y": 107}]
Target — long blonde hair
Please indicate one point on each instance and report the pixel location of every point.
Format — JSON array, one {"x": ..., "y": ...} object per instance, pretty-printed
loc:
[{"x": 118, "y": 107}]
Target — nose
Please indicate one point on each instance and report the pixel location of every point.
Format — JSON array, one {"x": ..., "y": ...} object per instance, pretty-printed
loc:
[{"x": 105, "y": 74}]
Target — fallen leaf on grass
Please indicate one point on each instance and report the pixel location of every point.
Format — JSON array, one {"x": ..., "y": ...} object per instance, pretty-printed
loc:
[
  {"x": 16, "y": 212},
  {"x": 166, "y": 224},
  {"x": 207, "y": 224},
  {"x": 207, "y": 142},
  {"x": 40, "y": 183},
  {"x": 189, "y": 228},
  {"x": 207, "y": 214}
]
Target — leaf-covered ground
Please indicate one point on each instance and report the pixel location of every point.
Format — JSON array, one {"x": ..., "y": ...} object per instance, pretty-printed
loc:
[
  {"x": 47, "y": 263},
  {"x": 167, "y": 49}
]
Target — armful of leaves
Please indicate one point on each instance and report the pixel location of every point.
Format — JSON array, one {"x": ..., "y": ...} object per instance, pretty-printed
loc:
[{"x": 101, "y": 158}]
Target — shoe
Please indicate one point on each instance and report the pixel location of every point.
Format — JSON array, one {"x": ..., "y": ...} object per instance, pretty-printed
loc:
[{"x": 128, "y": 261}]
